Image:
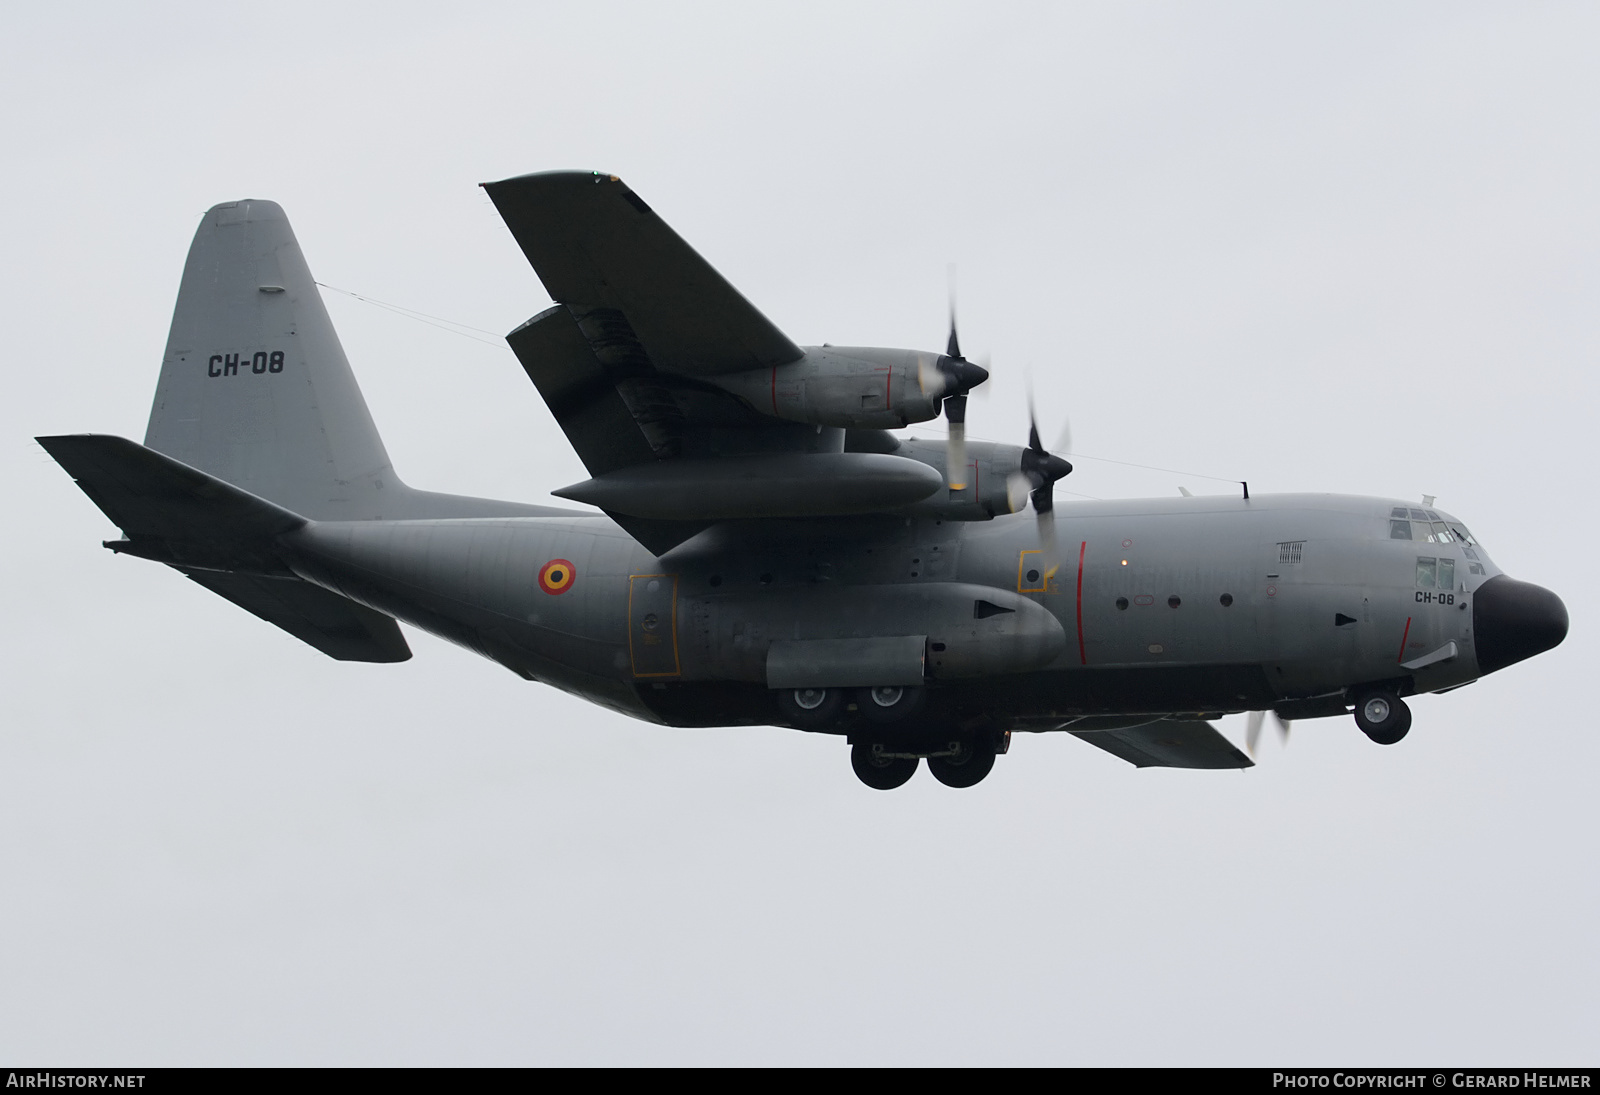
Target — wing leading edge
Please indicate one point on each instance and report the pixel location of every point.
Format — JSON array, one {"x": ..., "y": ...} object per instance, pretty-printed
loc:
[{"x": 631, "y": 283}]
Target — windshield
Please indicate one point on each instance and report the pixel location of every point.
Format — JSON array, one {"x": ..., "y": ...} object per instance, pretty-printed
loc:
[{"x": 1429, "y": 526}]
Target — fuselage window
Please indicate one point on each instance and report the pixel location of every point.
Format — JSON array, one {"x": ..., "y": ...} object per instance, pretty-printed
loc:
[
  {"x": 1447, "y": 573},
  {"x": 1399, "y": 530},
  {"x": 1427, "y": 572}
]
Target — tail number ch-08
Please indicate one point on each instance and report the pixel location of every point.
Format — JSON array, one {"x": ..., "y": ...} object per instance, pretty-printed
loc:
[{"x": 259, "y": 362}]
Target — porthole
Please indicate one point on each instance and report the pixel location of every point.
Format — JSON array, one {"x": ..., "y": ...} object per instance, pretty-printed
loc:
[
  {"x": 1226, "y": 599},
  {"x": 1174, "y": 601},
  {"x": 766, "y": 579},
  {"x": 1033, "y": 575},
  {"x": 1122, "y": 603},
  {"x": 715, "y": 580}
]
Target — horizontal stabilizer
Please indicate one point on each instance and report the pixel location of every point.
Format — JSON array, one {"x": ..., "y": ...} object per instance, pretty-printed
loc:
[
  {"x": 338, "y": 627},
  {"x": 151, "y": 496},
  {"x": 1168, "y": 743}
]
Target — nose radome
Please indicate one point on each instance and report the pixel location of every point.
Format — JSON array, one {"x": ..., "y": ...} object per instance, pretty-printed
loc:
[{"x": 1513, "y": 620}]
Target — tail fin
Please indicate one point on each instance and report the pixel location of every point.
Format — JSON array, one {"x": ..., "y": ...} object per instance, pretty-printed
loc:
[{"x": 255, "y": 388}]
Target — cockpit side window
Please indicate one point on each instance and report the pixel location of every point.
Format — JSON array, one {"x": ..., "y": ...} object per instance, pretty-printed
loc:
[
  {"x": 1447, "y": 573},
  {"x": 1399, "y": 530},
  {"x": 1427, "y": 572}
]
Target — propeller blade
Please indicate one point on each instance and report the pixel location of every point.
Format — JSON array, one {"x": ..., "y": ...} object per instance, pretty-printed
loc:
[
  {"x": 1063, "y": 439},
  {"x": 1047, "y": 540},
  {"x": 1252, "y": 731},
  {"x": 1017, "y": 487},
  {"x": 955, "y": 453}
]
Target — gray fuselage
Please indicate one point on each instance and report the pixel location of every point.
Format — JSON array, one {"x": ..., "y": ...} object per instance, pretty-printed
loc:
[{"x": 1154, "y": 606}]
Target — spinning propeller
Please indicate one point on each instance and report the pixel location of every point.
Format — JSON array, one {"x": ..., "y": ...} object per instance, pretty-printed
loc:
[
  {"x": 1252, "y": 732},
  {"x": 1036, "y": 480},
  {"x": 953, "y": 377}
]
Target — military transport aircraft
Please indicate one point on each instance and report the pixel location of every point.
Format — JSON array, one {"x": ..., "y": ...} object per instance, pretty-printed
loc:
[{"x": 770, "y": 551}]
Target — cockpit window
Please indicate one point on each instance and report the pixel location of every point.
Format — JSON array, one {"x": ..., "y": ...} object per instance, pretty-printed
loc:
[
  {"x": 1442, "y": 534},
  {"x": 1447, "y": 573},
  {"x": 1463, "y": 535},
  {"x": 1427, "y": 572},
  {"x": 1400, "y": 530},
  {"x": 1418, "y": 515}
]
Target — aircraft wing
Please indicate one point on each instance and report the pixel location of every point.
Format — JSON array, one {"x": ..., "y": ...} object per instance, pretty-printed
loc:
[
  {"x": 1168, "y": 743},
  {"x": 631, "y": 283}
]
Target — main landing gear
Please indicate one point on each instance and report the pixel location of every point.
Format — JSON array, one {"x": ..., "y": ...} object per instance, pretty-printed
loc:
[
  {"x": 961, "y": 761},
  {"x": 885, "y": 753},
  {"x": 1382, "y": 715}
]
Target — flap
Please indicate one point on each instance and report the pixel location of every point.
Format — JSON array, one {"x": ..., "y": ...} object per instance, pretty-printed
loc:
[
  {"x": 1168, "y": 743},
  {"x": 580, "y": 392}
]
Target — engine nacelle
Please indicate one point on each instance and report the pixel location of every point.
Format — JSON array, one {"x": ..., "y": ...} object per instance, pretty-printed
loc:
[
  {"x": 848, "y": 386},
  {"x": 991, "y": 471}
]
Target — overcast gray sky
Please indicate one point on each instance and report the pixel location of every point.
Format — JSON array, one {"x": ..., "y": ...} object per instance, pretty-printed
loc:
[{"x": 1341, "y": 247}]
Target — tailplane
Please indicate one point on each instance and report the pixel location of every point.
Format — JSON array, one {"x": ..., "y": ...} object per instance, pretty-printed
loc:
[{"x": 223, "y": 538}]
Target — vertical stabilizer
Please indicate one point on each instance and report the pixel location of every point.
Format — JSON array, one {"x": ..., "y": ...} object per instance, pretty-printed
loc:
[{"x": 255, "y": 388}]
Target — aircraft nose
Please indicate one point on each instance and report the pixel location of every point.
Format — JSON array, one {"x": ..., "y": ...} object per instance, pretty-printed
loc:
[{"x": 1514, "y": 620}]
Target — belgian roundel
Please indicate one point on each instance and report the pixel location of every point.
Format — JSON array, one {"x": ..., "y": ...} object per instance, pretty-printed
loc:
[{"x": 556, "y": 576}]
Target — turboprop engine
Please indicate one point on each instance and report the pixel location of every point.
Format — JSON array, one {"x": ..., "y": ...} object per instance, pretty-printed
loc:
[{"x": 855, "y": 387}]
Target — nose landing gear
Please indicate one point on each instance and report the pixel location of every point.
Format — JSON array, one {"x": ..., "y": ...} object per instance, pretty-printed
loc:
[{"x": 1382, "y": 715}]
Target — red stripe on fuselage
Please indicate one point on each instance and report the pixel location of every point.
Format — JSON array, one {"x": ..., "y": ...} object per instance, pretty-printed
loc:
[{"x": 1403, "y": 638}]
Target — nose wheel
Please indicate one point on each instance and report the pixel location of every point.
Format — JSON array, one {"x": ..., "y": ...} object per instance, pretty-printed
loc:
[{"x": 1382, "y": 716}]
